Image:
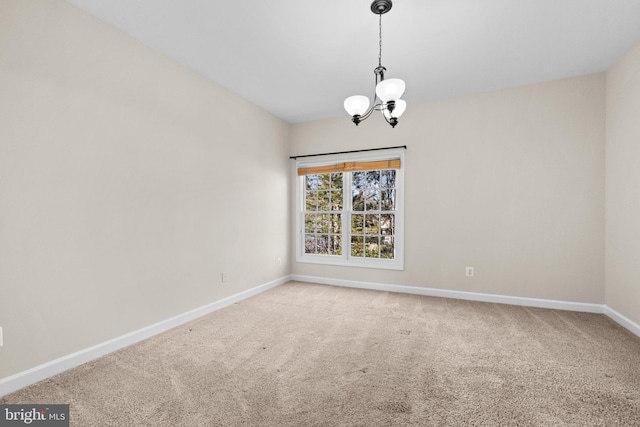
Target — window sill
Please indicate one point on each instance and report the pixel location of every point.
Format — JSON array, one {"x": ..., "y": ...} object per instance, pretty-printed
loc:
[{"x": 352, "y": 262}]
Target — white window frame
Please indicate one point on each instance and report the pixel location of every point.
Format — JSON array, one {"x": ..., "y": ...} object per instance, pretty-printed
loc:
[{"x": 346, "y": 259}]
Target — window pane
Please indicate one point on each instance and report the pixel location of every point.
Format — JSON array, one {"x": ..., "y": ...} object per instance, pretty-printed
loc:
[
  {"x": 373, "y": 179},
  {"x": 336, "y": 181},
  {"x": 335, "y": 223},
  {"x": 372, "y": 223},
  {"x": 322, "y": 224},
  {"x": 357, "y": 246},
  {"x": 387, "y": 224},
  {"x": 357, "y": 190},
  {"x": 335, "y": 245},
  {"x": 358, "y": 180},
  {"x": 358, "y": 200},
  {"x": 311, "y": 200},
  {"x": 323, "y": 200},
  {"x": 336, "y": 200},
  {"x": 389, "y": 200},
  {"x": 322, "y": 242},
  {"x": 311, "y": 182},
  {"x": 372, "y": 196},
  {"x": 357, "y": 224},
  {"x": 309, "y": 244},
  {"x": 372, "y": 247},
  {"x": 326, "y": 181},
  {"x": 388, "y": 178},
  {"x": 386, "y": 247},
  {"x": 310, "y": 223}
]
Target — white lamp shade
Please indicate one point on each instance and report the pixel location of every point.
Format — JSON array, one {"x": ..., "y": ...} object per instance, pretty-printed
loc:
[
  {"x": 390, "y": 89},
  {"x": 401, "y": 105},
  {"x": 356, "y": 105}
]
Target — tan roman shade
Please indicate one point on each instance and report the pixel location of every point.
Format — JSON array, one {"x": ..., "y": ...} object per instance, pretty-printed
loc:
[{"x": 350, "y": 167}]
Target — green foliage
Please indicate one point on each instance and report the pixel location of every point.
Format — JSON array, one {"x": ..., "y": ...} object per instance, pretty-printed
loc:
[{"x": 372, "y": 221}]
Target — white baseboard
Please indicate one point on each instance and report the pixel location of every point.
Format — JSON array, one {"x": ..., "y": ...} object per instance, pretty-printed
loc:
[
  {"x": 622, "y": 320},
  {"x": 445, "y": 293},
  {"x": 474, "y": 296},
  {"x": 54, "y": 367}
]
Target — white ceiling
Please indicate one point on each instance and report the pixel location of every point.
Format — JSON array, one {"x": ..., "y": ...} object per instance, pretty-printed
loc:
[{"x": 299, "y": 59}]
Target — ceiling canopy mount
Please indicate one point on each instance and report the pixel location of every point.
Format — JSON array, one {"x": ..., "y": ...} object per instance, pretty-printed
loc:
[{"x": 380, "y": 7}]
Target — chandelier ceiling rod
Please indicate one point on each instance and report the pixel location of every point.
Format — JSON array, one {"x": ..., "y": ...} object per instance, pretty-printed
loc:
[
  {"x": 387, "y": 93},
  {"x": 380, "y": 40}
]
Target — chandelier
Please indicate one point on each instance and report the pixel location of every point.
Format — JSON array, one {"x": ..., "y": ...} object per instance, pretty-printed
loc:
[{"x": 388, "y": 92}]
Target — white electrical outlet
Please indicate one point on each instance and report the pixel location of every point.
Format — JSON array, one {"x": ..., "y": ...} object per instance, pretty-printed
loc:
[
  {"x": 279, "y": 261},
  {"x": 1, "y": 339},
  {"x": 224, "y": 277},
  {"x": 469, "y": 271}
]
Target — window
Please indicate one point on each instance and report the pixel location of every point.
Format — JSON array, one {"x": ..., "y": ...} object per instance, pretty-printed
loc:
[{"x": 350, "y": 211}]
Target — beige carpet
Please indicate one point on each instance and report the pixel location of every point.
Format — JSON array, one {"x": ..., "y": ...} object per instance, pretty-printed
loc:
[{"x": 315, "y": 355}]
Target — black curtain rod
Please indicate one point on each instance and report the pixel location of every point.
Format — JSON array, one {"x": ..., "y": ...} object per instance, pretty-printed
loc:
[{"x": 347, "y": 152}]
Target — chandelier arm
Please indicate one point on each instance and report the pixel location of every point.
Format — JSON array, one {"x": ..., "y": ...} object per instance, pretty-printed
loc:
[
  {"x": 368, "y": 113},
  {"x": 373, "y": 106},
  {"x": 393, "y": 122},
  {"x": 385, "y": 118}
]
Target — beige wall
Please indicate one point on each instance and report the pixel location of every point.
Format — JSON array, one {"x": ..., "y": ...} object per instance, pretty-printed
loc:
[
  {"x": 125, "y": 188},
  {"x": 510, "y": 182},
  {"x": 128, "y": 184},
  {"x": 623, "y": 186}
]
